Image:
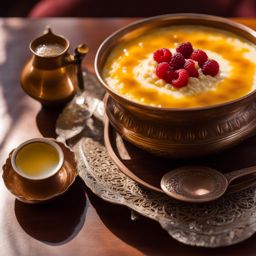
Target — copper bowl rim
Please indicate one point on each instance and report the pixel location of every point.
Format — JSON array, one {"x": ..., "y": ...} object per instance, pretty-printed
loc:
[{"x": 107, "y": 43}]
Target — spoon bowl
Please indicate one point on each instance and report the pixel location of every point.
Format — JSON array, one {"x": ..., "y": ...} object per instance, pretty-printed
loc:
[{"x": 199, "y": 184}]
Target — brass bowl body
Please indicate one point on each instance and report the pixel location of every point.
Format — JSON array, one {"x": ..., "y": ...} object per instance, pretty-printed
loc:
[
  {"x": 52, "y": 80},
  {"x": 179, "y": 133}
]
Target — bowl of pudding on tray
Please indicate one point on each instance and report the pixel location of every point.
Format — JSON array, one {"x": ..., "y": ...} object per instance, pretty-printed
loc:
[{"x": 175, "y": 113}]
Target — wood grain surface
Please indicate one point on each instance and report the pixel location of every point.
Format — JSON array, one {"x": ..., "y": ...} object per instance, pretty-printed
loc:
[{"x": 79, "y": 223}]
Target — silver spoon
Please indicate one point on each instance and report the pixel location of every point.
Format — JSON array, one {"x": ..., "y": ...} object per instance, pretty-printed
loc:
[{"x": 199, "y": 183}]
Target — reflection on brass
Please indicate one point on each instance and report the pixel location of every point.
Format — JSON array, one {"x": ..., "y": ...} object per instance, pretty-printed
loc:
[
  {"x": 180, "y": 133},
  {"x": 53, "y": 79},
  {"x": 29, "y": 191}
]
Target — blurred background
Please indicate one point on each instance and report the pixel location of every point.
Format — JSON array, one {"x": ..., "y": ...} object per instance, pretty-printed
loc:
[{"x": 119, "y": 8}]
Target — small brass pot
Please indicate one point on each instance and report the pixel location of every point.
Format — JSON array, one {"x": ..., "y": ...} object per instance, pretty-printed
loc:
[
  {"x": 54, "y": 79},
  {"x": 180, "y": 133}
]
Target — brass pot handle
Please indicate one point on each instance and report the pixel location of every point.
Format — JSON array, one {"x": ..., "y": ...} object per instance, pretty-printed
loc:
[{"x": 80, "y": 52}]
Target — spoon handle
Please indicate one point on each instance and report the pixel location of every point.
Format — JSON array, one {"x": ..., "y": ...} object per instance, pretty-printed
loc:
[{"x": 240, "y": 173}]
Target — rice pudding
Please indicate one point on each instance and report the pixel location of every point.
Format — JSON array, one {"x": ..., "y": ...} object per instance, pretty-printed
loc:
[{"x": 130, "y": 68}]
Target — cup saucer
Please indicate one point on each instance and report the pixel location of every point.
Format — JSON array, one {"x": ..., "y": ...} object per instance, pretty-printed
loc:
[{"x": 30, "y": 191}]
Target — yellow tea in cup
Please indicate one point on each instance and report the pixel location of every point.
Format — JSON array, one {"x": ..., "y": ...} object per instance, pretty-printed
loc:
[{"x": 37, "y": 159}]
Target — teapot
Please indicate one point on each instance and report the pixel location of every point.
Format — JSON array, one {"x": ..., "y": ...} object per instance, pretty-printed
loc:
[{"x": 53, "y": 75}]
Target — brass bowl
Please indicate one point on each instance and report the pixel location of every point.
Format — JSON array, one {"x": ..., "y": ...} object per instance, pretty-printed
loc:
[{"x": 178, "y": 132}]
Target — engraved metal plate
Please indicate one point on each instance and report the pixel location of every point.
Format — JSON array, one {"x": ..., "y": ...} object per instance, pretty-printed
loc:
[{"x": 226, "y": 221}]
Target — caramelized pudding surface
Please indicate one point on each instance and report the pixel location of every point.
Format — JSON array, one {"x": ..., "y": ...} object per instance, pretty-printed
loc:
[{"x": 130, "y": 68}]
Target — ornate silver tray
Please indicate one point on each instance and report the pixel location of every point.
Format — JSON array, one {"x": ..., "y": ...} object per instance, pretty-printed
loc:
[{"x": 226, "y": 221}]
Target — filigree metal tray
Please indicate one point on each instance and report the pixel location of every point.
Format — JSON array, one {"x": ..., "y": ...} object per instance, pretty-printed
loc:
[{"x": 226, "y": 221}]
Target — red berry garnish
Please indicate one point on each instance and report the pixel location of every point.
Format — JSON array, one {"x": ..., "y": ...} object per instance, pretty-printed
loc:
[
  {"x": 162, "y": 55},
  {"x": 190, "y": 66},
  {"x": 162, "y": 69},
  {"x": 185, "y": 49},
  {"x": 177, "y": 61},
  {"x": 211, "y": 67},
  {"x": 199, "y": 56},
  {"x": 170, "y": 75},
  {"x": 181, "y": 79}
]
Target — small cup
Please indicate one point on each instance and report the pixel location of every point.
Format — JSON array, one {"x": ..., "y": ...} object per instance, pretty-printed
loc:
[{"x": 37, "y": 159}]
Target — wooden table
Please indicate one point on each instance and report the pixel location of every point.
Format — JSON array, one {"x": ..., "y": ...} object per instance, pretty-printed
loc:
[{"x": 79, "y": 223}]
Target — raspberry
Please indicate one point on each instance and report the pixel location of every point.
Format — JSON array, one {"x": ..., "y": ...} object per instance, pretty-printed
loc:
[
  {"x": 199, "y": 56},
  {"x": 185, "y": 49},
  {"x": 162, "y": 69},
  {"x": 169, "y": 76},
  {"x": 162, "y": 55},
  {"x": 191, "y": 68},
  {"x": 181, "y": 79},
  {"x": 211, "y": 67},
  {"x": 177, "y": 61}
]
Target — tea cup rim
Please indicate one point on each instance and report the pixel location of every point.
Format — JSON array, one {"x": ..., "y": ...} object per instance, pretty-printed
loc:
[{"x": 48, "y": 141}]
